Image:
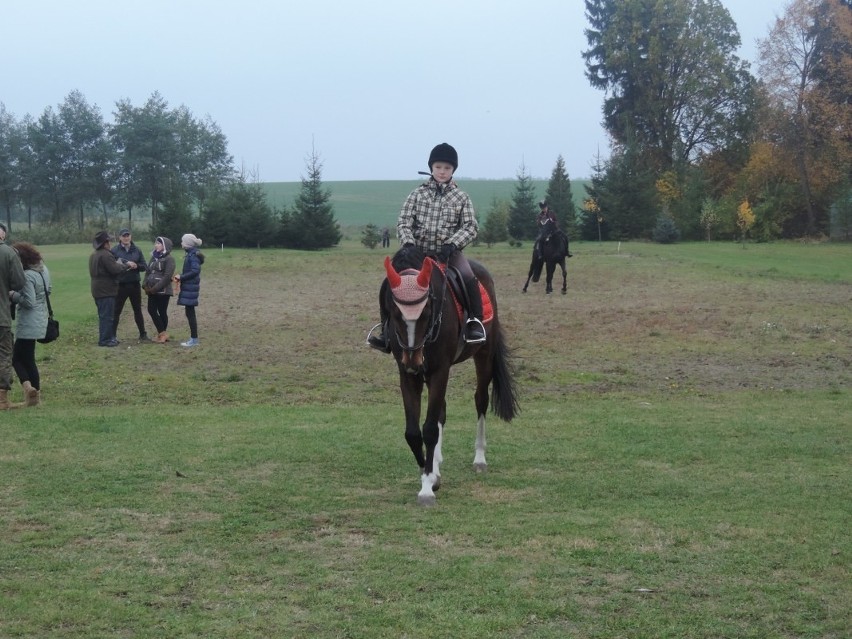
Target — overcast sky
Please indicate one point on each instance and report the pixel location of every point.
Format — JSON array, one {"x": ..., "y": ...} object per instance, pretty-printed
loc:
[{"x": 371, "y": 85}]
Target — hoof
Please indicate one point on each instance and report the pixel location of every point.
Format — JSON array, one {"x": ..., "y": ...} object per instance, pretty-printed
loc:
[
  {"x": 564, "y": 292},
  {"x": 480, "y": 468},
  {"x": 425, "y": 500}
]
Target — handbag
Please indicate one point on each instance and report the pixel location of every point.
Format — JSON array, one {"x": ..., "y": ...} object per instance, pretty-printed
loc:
[{"x": 52, "y": 324}]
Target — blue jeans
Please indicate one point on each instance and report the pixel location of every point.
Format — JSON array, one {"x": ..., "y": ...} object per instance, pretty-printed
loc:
[{"x": 106, "y": 309}]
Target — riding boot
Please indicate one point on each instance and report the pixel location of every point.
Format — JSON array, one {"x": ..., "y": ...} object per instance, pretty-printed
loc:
[
  {"x": 380, "y": 341},
  {"x": 474, "y": 330}
]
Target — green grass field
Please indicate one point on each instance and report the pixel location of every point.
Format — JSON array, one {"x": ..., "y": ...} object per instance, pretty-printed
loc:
[
  {"x": 680, "y": 467},
  {"x": 357, "y": 204}
]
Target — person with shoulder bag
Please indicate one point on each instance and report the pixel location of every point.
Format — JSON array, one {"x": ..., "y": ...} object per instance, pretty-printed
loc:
[
  {"x": 158, "y": 286},
  {"x": 31, "y": 325}
]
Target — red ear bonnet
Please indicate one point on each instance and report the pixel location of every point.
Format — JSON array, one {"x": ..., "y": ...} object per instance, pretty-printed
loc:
[
  {"x": 425, "y": 273},
  {"x": 393, "y": 276},
  {"x": 410, "y": 289}
]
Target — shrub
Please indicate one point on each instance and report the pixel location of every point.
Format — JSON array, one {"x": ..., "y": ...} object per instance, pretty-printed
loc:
[{"x": 665, "y": 232}]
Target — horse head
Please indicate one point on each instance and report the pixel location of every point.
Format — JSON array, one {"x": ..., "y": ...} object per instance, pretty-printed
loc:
[{"x": 413, "y": 318}]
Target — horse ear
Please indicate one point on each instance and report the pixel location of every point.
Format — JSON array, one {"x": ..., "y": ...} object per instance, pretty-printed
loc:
[
  {"x": 393, "y": 277},
  {"x": 425, "y": 275}
]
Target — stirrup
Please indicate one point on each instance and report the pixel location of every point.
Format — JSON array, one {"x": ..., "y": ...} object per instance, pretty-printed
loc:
[
  {"x": 468, "y": 328},
  {"x": 379, "y": 342}
]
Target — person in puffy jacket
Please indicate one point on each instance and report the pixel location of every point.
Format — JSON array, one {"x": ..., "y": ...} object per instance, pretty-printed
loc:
[
  {"x": 158, "y": 286},
  {"x": 190, "y": 284}
]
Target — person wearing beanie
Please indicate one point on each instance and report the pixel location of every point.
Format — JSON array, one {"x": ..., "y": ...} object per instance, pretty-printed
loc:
[
  {"x": 12, "y": 280},
  {"x": 190, "y": 284},
  {"x": 103, "y": 270},
  {"x": 438, "y": 218},
  {"x": 158, "y": 286},
  {"x": 128, "y": 282}
]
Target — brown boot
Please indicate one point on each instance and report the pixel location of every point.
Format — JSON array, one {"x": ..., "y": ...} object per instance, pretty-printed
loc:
[
  {"x": 32, "y": 396},
  {"x": 162, "y": 338},
  {"x": 4, "y": 400}
]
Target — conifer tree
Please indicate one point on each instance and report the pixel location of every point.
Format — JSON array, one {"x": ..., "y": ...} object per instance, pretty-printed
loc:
[
  {"x": 560, "y": 198},
  {"x": 523, "y": 211},
  {"x": 311, "y": 225}
]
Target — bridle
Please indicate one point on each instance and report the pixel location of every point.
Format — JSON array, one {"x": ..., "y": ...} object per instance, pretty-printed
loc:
[
  {"x": 430, "y": 298},
  {"x": 433, "y": 329}
]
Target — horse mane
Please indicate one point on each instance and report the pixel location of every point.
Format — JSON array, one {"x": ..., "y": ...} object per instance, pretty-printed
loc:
[{"x": 408, "y": 256}]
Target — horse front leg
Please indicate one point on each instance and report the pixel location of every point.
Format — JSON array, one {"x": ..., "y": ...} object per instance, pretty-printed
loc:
[
  {"x": 550, "y": 269},
  {"x": 564, "y": 277},
  {"x": 436, "y": 410},
  {"x": 412, "y": 390}
]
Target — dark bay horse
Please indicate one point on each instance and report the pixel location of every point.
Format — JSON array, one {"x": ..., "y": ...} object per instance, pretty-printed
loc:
[
  {"x": 553, "y": 246},
  {"x": 425, "y": 333}
]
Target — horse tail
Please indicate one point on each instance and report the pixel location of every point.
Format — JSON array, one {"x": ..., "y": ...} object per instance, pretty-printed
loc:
[{"x": 504, "y": 390}]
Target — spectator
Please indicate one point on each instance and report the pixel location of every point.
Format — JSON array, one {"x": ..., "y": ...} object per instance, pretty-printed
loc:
[
  {"x": 31, "y": 324},
  {"x": 103, "y": 269},
  {"x": 11, "y": 279},
  {"x": 190, "y": 284},
  {"x": 158, "y": 286},
  {"x": 128, "y": 282}
]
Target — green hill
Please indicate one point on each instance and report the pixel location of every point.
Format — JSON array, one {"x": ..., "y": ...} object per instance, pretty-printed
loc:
[{"x": 378, "y": 202}]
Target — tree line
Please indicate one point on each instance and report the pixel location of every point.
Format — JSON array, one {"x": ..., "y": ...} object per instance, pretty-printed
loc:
[
  {"x": 697, "y": 139},
  {"x": 701, "y": 148},
  {"x": 69, "y": 171}
]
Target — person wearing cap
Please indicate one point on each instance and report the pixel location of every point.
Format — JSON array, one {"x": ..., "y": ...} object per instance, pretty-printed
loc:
[
  {"x": 12, "y": 280},
  {"x": 103, "y": 270},
  {"x": 190, "y": 284},
  {"x": 129, "y": 287},
  {"x": 438, "y": 218}
]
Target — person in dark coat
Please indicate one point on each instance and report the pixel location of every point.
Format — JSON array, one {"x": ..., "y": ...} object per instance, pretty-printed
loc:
[
  {"x": 12, "y": 279},
  {"x": 158, "y": 286},
  {"x": 128, "y": 282},
  {"x": 103, "y": 269},
  {"x": 190, "y": 284}
]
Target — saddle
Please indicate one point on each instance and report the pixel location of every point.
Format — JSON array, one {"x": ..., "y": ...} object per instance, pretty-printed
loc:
[{"x": 459, "y": 292}]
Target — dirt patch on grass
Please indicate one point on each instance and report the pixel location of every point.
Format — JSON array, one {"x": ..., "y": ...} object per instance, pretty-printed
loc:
[{"x": 289, "y": 327}]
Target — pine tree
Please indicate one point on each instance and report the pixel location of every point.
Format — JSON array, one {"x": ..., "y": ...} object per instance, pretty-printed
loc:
[
  {"x": 496, "y": 221},
  {"x": 560, "y": 199},
  {"x": 523, "y": 211},
  {"x": 311, "y": 224}
]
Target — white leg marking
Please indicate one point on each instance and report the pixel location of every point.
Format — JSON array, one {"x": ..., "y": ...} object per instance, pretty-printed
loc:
[
  {"x": 479, "y": 462},
  {"x": 426, "y": 496}
]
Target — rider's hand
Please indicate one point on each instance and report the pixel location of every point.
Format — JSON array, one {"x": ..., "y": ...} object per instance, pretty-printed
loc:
[{"x": 446, "y": 252}]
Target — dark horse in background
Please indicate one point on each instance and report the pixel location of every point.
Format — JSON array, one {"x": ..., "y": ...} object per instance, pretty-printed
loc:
[
  {"x": 551, "y": 249},
  {"x": 426, "y": 337}
]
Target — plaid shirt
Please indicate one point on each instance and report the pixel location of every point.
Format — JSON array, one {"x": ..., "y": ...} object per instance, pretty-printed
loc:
[{"x": 435, "y": 214}]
